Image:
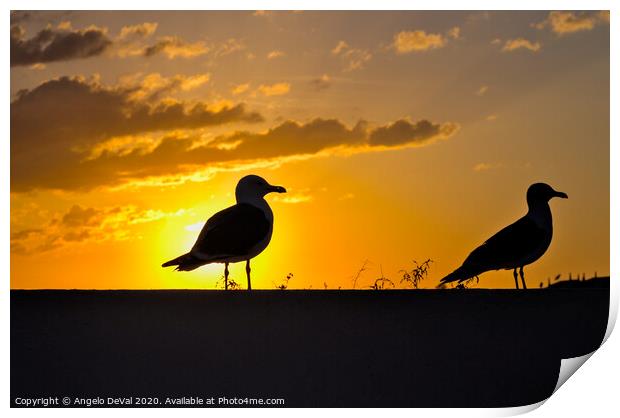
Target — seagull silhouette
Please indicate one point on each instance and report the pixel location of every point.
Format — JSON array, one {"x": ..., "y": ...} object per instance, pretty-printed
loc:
[
  {"x": 238, "y": 233},
  {"x": 517, "y": 245}
]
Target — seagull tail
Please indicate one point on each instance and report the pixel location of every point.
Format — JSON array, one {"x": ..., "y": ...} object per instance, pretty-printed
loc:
[
  {"x": 460, "y": 274},
  {"x": 185, "y": 262}
]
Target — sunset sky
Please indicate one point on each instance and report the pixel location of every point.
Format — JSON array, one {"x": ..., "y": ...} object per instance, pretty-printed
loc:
[{"x": 400, "y": 136}]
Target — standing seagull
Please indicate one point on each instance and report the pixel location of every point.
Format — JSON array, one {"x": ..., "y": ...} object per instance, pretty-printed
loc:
[
  {"x": 235, "y": 234},
  {"x": 517, "y": 245}
]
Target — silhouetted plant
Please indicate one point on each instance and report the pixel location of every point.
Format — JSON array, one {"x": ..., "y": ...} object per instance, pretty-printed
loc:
[
  {"x": 232, "y": 284},
  {"x": 284, "y": 284},
  {"x": 418, "y": 273},
  {"x": 557, "y": 277},
  {"x": 381, "y": 282},
  {"x": 359, "y": 273}
]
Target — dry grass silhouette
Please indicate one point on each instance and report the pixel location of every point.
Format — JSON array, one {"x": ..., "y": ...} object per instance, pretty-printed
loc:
[
  {"x": 359, "y": 272},
  {"x": 232, "y": 284},
  {"x": 418, "y": 273}
]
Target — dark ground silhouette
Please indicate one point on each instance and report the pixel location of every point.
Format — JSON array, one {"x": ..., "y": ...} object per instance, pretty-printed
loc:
[{"x": 406, "y": 348}]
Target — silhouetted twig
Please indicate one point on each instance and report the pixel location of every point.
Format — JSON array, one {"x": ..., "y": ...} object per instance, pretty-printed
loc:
[{"x": 359, "y": 273}]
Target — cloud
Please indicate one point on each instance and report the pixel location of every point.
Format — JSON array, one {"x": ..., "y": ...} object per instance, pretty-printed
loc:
[
  {"x": 565, "y": 22},
  {"x": 486, "y": 166},
  {"x": 293, "y": 197},
  {"x": 78, "y": 134},
  {"x": 113, "y": 148},
  {"x": 57, "y": 124},
  {"x": 455, "y": 32},
  {"x": 341, "y": 46},
  {"x": 153, "y": 87},
  {"x": 321, "y": 83},
  {"x": 405, "y": 132},
  {"x": 24, "y": 234},
  {"x": 482, "y": 90},
  {"x": 64, "y": 25},
  {"x": 521, "y": 43},
  {"x": 79, "y": 216},
  {"x": 81, "y": 224},
  {"x": 174, "y": 46},
  {"x": 240, "y": 88},
  {"x": 418, "y": 41},
  {"x": 130, "y": 40},
  {"x": 275, "y": 54},
  {"x": 353, "y": 58},
  {"x": 227, "y": 47},
  {"x": 277, "y": 89},
  {"x": 141, "y": 30},
  {"x": 53, "y": 45}
]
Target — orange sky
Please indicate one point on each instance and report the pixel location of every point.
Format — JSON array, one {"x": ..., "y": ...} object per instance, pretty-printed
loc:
[{"x": 399, "y": 136}]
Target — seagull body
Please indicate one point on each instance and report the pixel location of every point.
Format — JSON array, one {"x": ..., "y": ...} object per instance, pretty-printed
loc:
[
  {"x": 238, "y": 233},
  {"x": 517, "y": 245}
]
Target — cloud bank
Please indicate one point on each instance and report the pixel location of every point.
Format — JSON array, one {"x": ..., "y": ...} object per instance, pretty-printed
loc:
[{"x": 73, "y": 133}]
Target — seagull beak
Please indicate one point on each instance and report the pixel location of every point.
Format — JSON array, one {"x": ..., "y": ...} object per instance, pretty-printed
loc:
[
  {"x": 560, "y": 194},
  {"x": 277, "y": 189}
]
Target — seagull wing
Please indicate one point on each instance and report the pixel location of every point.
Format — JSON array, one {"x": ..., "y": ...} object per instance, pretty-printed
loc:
[
  {"x": 507, "y": 248},
  {"x": 231, "y": 232}
]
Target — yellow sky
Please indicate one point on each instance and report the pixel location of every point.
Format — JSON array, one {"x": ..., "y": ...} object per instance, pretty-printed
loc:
[{"x": 399, "y": 136}]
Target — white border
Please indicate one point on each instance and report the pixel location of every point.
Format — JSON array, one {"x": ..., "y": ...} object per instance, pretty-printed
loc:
[{"x": 593, "y": 392}]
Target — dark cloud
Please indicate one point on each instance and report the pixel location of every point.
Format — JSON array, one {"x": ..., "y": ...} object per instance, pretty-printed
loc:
[
  {"x": 403, "y": 131},
  {"x": 79, "y": 216},
  {"x": 76, "y": 236},
  {"x": 174, "y": 46},
  {"x": 76, "y": 134},
  {"x": 73, "y": 134},
  {"x": 53, "y": 122},
  {"x": 50, "y": 45},
  {"x": 24, "y": 234}
]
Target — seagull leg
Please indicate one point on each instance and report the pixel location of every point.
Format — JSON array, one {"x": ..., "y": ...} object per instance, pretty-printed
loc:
[
  {"x": 225, "y": 276},
  {"x": 514, "y": 273},
  {"x": 247, "y": 272},
  {"x": 522, "y": 277}
]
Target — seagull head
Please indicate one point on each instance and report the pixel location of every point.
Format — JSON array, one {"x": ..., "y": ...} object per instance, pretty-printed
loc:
[
  {"x": 253, "y": 187},
  {"x": 542, "y": 193}
]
